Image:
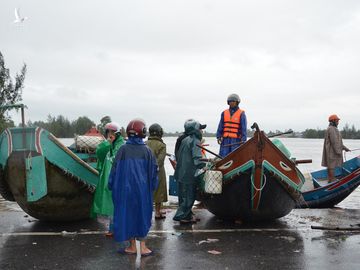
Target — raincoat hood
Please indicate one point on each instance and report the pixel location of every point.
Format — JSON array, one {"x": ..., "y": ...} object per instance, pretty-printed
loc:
[
  {"x": 193, "y": 127},
  {"x": 135, "y": 140}
]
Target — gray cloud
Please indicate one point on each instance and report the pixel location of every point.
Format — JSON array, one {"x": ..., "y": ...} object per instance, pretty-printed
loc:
[{"x": 292, "y": 62}]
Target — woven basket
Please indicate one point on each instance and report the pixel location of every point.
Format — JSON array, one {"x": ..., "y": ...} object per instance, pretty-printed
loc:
[
  {"x": 213, "y": 182},
  {"x": 87, "y": 143}
]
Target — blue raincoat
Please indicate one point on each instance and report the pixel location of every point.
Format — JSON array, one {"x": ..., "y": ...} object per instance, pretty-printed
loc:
[
  {"x": 225, "y": 147},
  {"x": 132, "y": 180}
]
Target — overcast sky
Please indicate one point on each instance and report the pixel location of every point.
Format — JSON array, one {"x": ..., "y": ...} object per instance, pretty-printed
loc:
[{"x": 293, "y": 63}]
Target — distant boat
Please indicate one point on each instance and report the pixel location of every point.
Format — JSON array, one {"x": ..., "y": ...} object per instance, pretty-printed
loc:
[
  {"x": 259, "y": 182},
  {"x": 318, "y": 193},
  {"x": 47, "y": 179}
]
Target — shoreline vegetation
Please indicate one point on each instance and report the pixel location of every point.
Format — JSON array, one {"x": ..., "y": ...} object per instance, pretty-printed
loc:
[{"x": 61, "y": 127}]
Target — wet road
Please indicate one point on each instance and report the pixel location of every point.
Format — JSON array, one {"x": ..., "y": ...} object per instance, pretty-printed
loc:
[{"x": 287, "y": 243}]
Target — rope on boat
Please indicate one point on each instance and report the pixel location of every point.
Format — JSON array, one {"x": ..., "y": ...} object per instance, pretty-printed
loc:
[{"x": 258, "y": 189}]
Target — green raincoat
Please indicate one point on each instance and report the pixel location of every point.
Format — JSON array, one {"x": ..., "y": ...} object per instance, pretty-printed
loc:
[
  {"x": 188, "y": 161},
  {"x": 101, "y": 151},
  {"x": 158, "y": 147},
  {"x": 103, "y": 204}
]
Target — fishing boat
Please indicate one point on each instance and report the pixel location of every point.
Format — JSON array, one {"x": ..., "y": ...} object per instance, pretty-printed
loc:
[
  {"x": 258, "y": 182},
  {"x": 48, "y": 180},
  {"x": 318, "y": 193}
]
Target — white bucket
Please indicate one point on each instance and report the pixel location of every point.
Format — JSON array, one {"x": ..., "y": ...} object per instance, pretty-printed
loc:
[{"x": 213, "y": 182}]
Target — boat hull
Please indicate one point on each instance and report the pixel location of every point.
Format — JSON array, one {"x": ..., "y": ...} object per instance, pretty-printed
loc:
[
  {"x": 47, "y": 179},
  {"x": 235, "y": 200},
  {"x": 67, "y": 198},
  {"x": 331, "y": 194},
  {"x": 259, "y": 182}
]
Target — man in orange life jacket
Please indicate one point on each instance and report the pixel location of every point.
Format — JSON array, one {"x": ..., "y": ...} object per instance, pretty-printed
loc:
[{"x": 232, "y": 127}]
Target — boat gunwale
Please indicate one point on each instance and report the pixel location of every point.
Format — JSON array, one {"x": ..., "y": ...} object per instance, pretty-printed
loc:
[{"x": 72, "y": 154}]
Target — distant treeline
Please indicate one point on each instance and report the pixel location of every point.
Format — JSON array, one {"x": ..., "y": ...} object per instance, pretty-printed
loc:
[
  {"x": 347, "y": 133},
  {"x": 61, "y": 127}
]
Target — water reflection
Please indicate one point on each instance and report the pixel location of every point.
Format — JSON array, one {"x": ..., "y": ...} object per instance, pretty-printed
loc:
[{"x": 333, "y": 250}]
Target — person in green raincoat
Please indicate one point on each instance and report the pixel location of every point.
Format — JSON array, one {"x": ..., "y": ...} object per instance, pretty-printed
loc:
[
  {"x": 106, "y": 151},
  {"x": 188, "y": 162},
  {"x": 158, "y": 147},
  {"x": 101, "y": 151}
]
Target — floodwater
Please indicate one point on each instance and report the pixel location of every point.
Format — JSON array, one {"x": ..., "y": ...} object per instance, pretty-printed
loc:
[{"x": 298, "y": 147}]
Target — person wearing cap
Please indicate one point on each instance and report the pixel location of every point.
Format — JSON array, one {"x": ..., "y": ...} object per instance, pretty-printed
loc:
[
  {"x": 105, "y": 152},
  {"x": 231, "y": 132},
  {"x": 332, "y": 156},
  {"x": 133, "y": 179},
  {"x": 188, "y": 160},
  {"x": 157, "y": 145}
]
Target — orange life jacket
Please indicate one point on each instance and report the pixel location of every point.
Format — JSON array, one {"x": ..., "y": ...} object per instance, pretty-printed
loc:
[{"x": 232, "y": 124}]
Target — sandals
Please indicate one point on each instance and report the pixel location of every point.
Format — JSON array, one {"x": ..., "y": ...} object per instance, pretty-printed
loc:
[
  {"x": 188, "y": 221},
  {"x": 125, "y": 252},
  {"x": 109, "y": 234},
  {"x": 147, "y": 254}
]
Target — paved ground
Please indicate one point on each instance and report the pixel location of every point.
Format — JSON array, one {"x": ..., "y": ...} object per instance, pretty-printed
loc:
[{"x": 287, "y": 243}]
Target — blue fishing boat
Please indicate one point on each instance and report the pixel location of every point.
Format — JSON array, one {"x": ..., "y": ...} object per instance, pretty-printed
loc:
[{"x": 321, "y": 194}]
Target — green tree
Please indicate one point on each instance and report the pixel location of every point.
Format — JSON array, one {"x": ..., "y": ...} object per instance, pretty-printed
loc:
[
  {"x": 10, "y": 92},
  {"x": 349, "y": 133},
  {"x": 313, "y": 133},
  {"x": 82, "y": 124},
  {"x": 62, "y": 128},
  {"x": 59, "y": 126},
  {"x": 103, "y": 122}
]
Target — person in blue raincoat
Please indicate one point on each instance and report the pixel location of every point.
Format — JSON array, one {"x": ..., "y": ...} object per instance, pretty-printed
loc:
[
  {"x": 231, "y": 132},
  {"x": 132, "y": 180},
  {"x": 188, "y": 161}
]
